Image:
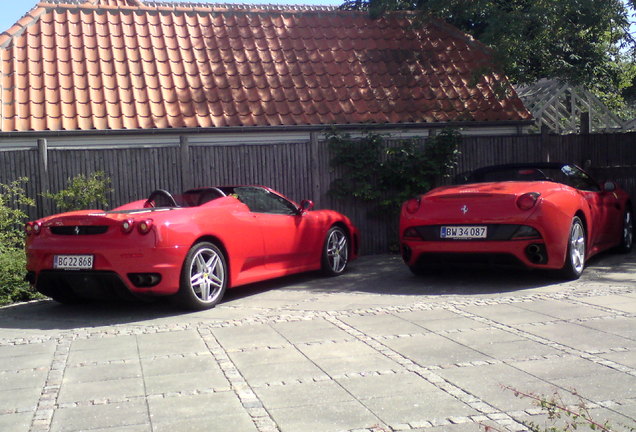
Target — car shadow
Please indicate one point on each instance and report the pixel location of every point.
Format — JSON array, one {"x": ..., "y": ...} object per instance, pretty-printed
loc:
[
  {"x": 387, "y": 274},
  {"x": 377, "y": 274}
]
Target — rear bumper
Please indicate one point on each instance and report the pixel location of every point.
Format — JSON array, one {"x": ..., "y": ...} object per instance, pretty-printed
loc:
[
  {"x": 114, "y": 271},
  {"x": 518, "y": 253}
]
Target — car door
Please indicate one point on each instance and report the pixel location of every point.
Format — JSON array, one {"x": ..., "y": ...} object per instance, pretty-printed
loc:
[
  {"x": 604, "y": 208},
  {"x": 282, "y": 226}
]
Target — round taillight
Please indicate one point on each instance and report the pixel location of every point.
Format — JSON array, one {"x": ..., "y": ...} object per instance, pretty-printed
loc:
[
  {"x": 413, "y": 205},
  {"x": 144, "y": 226},
  {"x": 34, "y": 228},
  {"x": 127, "y": 226},
  {"x": 528, "y": 200}
]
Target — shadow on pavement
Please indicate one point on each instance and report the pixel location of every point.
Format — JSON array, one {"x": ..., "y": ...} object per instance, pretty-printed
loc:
[{"x": 378, "y": 274}]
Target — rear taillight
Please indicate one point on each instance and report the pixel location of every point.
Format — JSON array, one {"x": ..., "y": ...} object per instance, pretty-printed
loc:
[
  {"x": 413, "y": 205},
  {"x": 127, "y": 226},
  {"x": 528, "y": 200},
  {"x": 144, "y": 226},
  {"x": 33, "y": 228},
  {"x": 411, "y": 233}
]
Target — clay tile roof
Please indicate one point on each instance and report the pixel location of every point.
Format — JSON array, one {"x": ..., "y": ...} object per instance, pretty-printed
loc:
[{"x": 136, "y": 64}]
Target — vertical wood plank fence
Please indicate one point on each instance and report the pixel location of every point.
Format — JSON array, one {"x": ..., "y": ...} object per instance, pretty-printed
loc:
[{"x": 299, "y": 170}]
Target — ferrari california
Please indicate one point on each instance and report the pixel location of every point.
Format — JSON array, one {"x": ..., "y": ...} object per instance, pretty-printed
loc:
[
  {"x": 544, "y": 216},
  {"x": 192, "y": 246}
]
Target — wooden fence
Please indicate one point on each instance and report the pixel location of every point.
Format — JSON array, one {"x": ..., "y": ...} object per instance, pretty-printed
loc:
[{"x": 299, "y": 170}]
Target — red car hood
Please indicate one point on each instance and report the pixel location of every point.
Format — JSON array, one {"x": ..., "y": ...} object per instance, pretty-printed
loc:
[{"x": 481, "y": 202}]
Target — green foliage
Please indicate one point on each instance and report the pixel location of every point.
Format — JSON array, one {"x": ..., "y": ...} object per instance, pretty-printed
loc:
[
  {"x": 82, "y": 192},
  {"x": 13, "y": 288},
  {"x": 13, "y": 200},
  {"x": 584, "y": 42},
  {"x": 388, "y": 174}
]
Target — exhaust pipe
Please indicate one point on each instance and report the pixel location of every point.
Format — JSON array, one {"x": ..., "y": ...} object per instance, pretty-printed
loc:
[{"x": 536, "y": 254}]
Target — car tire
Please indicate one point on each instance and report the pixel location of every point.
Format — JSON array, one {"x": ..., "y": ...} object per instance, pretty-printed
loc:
[
  {"x": 335, "y": 252},
  {"x": 576, "y": 250},
  {"x": 204, "y": 277},
  {"x": 627, "y": 237}
]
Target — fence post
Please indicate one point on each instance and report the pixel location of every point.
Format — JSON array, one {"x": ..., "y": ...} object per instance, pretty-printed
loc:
[
  {"x": 43, "y": 171},
  {"x": 316, "y": 185},
  {"x": 186, "y": 172},
  {"x": 545, "y": 143}
]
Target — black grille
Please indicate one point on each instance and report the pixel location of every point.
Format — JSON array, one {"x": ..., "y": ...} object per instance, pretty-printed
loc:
[{"x": 79, "y": 229}]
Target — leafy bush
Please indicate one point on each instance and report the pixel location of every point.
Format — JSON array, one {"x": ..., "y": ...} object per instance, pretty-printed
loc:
[
  {"x": 13, "y": 287},
  {"x": 13, "y": 200},
  {"x": 83, "y": 192},
  {"x": 386, "y": 173}
]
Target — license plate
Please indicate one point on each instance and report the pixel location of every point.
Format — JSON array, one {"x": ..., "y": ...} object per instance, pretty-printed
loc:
[
  {"x": 463, "y": 232},
  {"x": 73, "y": 262}
]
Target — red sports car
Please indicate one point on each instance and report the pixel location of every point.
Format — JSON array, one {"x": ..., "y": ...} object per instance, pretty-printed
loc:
[
  {"x": 544, "y": 216},
  {"x": 192, "y": 246}
]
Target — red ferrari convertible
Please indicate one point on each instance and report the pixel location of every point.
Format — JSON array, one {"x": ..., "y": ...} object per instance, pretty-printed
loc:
[
  {"x": 544, "y": 216},
  {"x": 192, "y": 246}
]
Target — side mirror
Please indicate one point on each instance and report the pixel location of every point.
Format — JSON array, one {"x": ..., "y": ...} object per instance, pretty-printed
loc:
[
  {"x": 609, "y": 186},
  {"x": 306, "y": 205}
]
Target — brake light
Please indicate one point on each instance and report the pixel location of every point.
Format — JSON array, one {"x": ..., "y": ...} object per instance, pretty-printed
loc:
[
  {"x": 33, "y": 228},
  {"x": 144, "y": 226},
  {"x": 528, "y": 200},
  {"x": 413, "y": 205},
  {"x": 127, "y": 226},
  {"x": 411, "y": 233}
]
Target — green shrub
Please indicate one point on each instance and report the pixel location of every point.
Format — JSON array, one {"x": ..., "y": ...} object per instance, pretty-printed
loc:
[
  {"x": 13, "y": 201},
  {"x": 83, "y": 192},
  {"x": 387, "y": 174},
  {"x": 13, "y": 288}
]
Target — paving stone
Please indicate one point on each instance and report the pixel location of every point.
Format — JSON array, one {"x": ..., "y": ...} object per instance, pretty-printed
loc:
[
  {"x": 166, "y": 343},
  {"x": 317, "y": 330},
  {"x": 23, "y": 379},
  {"x": 112, "y": 389},
  {"x": 324, "y": 417},
  {"x": 433, "y": 349},
  {"x": 303, "y": 395},
  {"x": 20, "y": 422},
  {"x": 166, "y": 410},
  {"x": 90, "y": 417},
  {"x": 102, "y": 372}
]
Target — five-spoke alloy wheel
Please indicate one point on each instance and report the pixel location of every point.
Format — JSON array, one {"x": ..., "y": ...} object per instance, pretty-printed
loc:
[
  {"x": 203, "y": 277},
  {"x": 575, "y": 257},
  {"x": 335, "y": 255}
]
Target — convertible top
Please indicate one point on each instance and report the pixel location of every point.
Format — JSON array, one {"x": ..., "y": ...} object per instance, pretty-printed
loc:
[{"x": 523, "y": 171}]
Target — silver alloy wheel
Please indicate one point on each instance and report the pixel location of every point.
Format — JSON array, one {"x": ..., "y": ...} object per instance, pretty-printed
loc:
[
  {"x": 577, "y": 247},
  {"x": 207, "y": 275},
  {"x": 337, "y": 251},
  {"x": 628, "y": 230}
]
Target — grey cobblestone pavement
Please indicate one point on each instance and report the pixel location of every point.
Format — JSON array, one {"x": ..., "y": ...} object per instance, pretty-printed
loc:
[{"x": 376, "y": 349}]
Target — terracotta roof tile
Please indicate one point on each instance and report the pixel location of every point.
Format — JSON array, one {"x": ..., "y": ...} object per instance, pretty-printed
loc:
[{"x": 113, "y": 64}]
